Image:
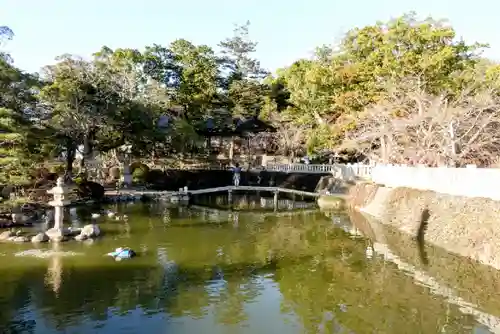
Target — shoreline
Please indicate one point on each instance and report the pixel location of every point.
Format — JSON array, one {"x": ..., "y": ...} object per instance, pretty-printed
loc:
[{"x": 461, "y": 225}]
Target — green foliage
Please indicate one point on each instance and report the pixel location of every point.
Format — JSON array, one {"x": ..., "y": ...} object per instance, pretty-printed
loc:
[
  {"x": 328, "y": 92},
  {"x": 119, "y": 96},
  {"x": 57, "y": 169},
  {"x": 19, "y": 143},
  {"x": 139, "y": 171},
  {"x": 78, "y": 180},
  {"x": 182, "y": 135},
  {"x": 198, "y": 77},
  {"x": 245, "y": 92},
  {"x": 139, "y": 175}
]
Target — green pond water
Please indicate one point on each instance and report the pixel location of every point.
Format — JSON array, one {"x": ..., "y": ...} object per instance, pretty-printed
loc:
[{"x": 202, "y": 270}]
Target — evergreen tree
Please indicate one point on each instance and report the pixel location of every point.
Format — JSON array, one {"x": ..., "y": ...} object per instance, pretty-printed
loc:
[
  {"x": 245, "y": 90},
  {"x": 17, "y": 103}
]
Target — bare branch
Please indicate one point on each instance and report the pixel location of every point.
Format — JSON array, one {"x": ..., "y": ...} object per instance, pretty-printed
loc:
[{"x": 413, "y": 127}]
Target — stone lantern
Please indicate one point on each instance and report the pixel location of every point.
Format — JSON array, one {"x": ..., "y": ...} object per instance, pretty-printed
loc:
[
  {"x": 59, "y": 191},
  {"x": 126, "y": 150}
]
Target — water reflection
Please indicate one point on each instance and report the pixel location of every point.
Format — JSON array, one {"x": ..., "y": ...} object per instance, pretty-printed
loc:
[
  {"x": 253, "y": 202},
  {"x": 211, "y": 271},
  {"x": 53, "y": 277},
  {"x": 487, "y": 323}
]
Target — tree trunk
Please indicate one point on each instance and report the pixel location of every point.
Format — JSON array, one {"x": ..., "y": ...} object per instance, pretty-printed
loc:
[
  {"x": 70, "y": 156},
  {"x": 209, "y": 144},
  {"x": 82, "y": 164},
  {"x": 87, "y": 149}
]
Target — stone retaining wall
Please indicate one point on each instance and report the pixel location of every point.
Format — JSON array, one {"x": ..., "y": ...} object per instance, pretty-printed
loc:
[{"x": 466, "y": 226}]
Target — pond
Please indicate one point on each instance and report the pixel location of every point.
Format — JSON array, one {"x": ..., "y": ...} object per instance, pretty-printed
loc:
[{"x": 214, "y": 271}]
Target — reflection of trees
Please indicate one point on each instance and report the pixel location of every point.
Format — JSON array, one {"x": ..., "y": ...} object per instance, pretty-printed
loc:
[
  {"x": 13, "y": 297},
  {"x": 323, "y": 280},
  {"x": 472, "y": 281},
  {"x": 90, "y": 293},
  {"x": 322, "y": 273},
  {"x": 252, "y": 201}
]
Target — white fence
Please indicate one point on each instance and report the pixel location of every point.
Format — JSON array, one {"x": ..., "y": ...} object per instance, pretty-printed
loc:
[
  {"x": 346, "y": 171},
  {"x": 469, "y": 182}
]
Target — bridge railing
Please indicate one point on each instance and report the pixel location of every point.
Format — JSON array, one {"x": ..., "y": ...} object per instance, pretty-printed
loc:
[{"x": 348, "y": 171}]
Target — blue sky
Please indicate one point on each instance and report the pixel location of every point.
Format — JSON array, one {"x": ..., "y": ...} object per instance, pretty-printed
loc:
[{"x": 285, "y": 30}]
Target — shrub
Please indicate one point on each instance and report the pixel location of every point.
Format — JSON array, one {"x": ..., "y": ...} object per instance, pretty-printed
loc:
[
  {"x": 40, "y": 173},
  {"x": 139, "y": 171},
  {"x": 139, "y": 165},
  {"x": 139, "y": 174},
  {"x": 58, "y": 169},
  {"x": 89, "y": 189}
]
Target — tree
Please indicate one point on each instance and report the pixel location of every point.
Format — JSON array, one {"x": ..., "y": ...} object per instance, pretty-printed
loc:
[
  {"x": 409, "y": 47},
  {"x": 141, "y": 99},
  {"x": 19, "y": 144},
  {"x": 311, "y": 88},
  {"x": 412, "y": 126},
  {"x": 330, "y": 90},
  {"x": 198, "y": 78},
  {"x": 79, "y": 103},
  {"x": 245, "y": 91},
  {"x": 6, "y": 34}
]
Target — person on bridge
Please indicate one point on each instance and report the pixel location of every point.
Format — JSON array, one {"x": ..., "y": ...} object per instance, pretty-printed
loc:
[{"x": 236, "y": 174}]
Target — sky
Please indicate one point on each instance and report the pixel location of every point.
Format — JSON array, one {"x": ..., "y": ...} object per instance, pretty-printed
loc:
[{"x": 286, "y": 30}]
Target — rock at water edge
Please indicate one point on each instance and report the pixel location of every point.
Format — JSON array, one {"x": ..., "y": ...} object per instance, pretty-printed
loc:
[
  {"x": 21, "y": 239},
  {"x": 91, "y": 231},
  {"x": 55, "y": 234},
  {"x": 40, "y": 237},
  {"x": 6, "y": 235},
  {"x": 81, "y": 237}
]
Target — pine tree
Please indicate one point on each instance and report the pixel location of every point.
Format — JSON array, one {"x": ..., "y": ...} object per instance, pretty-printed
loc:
[
  {"x": 245, "y": 90},
  {"x": 16, "y": 136}
]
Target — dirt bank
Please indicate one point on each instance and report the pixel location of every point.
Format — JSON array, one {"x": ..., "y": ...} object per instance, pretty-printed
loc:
[{"x": 462, "y": 225}]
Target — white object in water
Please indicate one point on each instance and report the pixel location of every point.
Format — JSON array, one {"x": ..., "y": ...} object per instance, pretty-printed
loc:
[
  {"x": 111, "y": 214},
  {"x": 118, "y": 250},
  {"x": 95, "y": 215}
]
